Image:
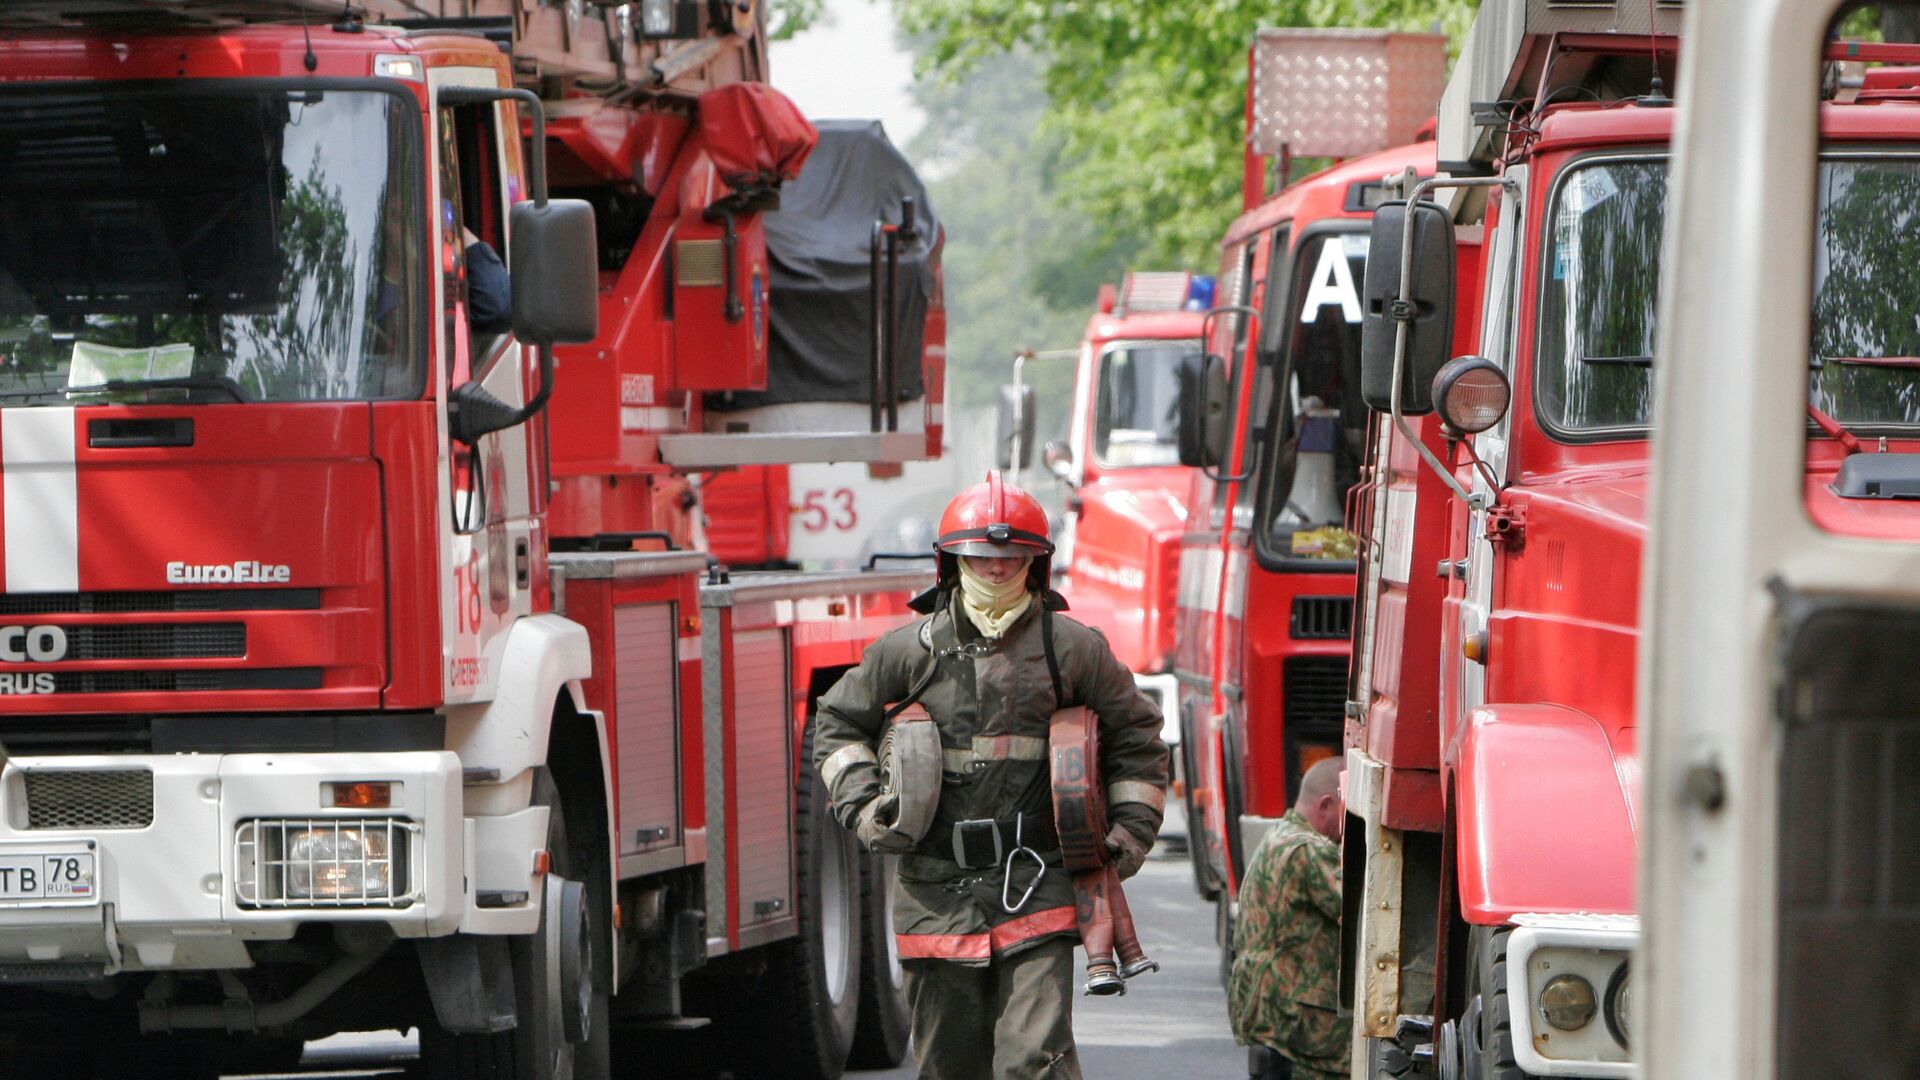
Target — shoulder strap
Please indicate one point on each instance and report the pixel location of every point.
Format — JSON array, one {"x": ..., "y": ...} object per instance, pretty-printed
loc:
[
  {"x": 920, "y": 685},
  {"x": 1053, "y": 662}
]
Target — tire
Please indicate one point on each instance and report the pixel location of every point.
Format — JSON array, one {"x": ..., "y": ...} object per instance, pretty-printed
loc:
[
  {"x": 880, "y": 1035},
  {"x": 797, "y": 1022},
  {"x": 1488, "y": 997},
  {"x": 548, "y": 1043}
]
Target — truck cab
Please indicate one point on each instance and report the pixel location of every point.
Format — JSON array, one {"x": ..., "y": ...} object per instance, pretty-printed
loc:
[
  {"x": 1268, "y": 554},
  {"x": 360, "y": 669},
  {"x": 1505, "y": 793},
  {"x": 1126, "y": 503}
]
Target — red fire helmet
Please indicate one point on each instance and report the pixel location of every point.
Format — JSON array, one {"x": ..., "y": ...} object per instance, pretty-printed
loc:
[{"x": 994, "y": 519}]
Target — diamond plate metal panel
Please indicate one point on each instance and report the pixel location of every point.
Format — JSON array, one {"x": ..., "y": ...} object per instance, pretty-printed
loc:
[
  {"x": 1342, "y": 93},
  {"x": 763, "y": 766},
  {"x": 647, "y": 726}
]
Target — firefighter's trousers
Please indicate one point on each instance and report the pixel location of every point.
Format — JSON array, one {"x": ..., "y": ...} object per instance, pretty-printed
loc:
[{"x": 1009, "y": 1020}]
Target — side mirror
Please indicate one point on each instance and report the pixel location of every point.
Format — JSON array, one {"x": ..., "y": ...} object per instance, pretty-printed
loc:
[
  {"x": 556, "y": 278},
  {"x": 1013, "y": 438},
  {"x": 1426, "y": 311},
  {"x": 1204, "y": 397},
  {"x": 1471, "y": 394},
  {"x": 1058, "y": 458}
]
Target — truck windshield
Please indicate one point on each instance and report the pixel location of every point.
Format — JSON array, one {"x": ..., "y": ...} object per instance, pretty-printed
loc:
[
  {"x": 1601, "y": 281},
  {"x": 1321, "y": 421},
  {"x": 1137, "y": 411},
  {"x": 208, "y": 245}
]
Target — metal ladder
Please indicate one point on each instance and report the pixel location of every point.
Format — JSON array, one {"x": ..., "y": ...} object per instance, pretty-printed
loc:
[{"x": 556, "y": 45}]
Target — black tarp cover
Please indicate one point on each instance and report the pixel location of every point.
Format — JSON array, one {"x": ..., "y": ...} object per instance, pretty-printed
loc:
[{"x": 819, "y": 348}]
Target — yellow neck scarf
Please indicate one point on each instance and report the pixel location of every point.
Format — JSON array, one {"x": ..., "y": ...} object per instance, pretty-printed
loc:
[{"x": 991, "y": 608}]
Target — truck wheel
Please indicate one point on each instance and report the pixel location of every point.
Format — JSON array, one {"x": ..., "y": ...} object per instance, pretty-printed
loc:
[
  {"x": 798, "y": 1022},
  {"x": 1488, "y": 1021},
  {"x": 559, "y": 980},
  {"x": 880, "y": 1036}
]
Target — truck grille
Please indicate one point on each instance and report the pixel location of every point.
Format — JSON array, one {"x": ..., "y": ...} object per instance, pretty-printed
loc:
[
  {"x": 134, "y": 682},
  {"x": 125, "y": 603},
  {"x": 1316, "y": 689},
  {"x": 1325, "y": 618},
  {"x": 89, "y": 799},
  {"x": 184, "y": 641}
]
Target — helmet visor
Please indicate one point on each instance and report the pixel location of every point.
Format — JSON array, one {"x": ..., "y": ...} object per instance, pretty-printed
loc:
[{"x": 987, "y": 549}]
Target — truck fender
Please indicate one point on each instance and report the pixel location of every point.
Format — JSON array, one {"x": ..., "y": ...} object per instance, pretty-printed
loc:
[
  {"x": 1543, "y": 814},
  {"x": 544, "y": 660}
]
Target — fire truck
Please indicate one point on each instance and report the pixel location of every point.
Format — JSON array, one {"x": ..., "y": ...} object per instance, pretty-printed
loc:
[
  {"x": 1492, "y": 763},
  {"x": 361, "y": 670},
  {"x": 1778, "y": 589},
  {"x": 1118, "y": 560},
  {"x": 1275, "y": 437}
]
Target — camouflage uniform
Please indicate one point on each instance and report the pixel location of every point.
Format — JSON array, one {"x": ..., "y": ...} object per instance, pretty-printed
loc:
[
  {"x": 1284, "y": 992},
  {"x": 968, "y": 961}
]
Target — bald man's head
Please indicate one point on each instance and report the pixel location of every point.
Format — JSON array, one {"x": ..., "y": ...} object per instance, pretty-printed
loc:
[{"x": 1319, "y": 800}]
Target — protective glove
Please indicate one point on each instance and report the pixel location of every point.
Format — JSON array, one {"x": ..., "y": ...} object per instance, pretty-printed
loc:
[
  {"x": 875, "y": 828},
  {"x": 1127, "y": 851}
]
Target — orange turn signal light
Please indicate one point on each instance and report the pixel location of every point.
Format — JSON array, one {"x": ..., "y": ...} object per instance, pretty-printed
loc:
[{"x": 362, "y": 794}]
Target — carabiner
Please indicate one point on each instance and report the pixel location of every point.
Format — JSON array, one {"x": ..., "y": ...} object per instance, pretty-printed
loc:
[{"x": 1040, "y": 874}]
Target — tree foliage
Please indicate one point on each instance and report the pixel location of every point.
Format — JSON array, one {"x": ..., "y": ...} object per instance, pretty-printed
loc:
[
  {"x": 1007, "y": 286},
  {"x": 1146, "y": 98},
  {"x": 785, "y": 18}
]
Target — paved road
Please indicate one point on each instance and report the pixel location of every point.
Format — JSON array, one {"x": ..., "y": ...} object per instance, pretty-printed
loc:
[{"x": 1171, "y": 1026}]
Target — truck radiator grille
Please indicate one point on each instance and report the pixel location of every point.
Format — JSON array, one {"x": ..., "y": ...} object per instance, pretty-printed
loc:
[
  {"x": 89, "y": 799},
  {"x": 126, "y": 603},
  {"x": 1322, "y": 618},
  {"x": 1316, "y": 689},
  {"x": 184, "y": 641},
  {"x": 135, "y": 682}
]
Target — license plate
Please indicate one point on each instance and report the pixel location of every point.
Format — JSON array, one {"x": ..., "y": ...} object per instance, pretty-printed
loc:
[{"x": 64, "y": 877}]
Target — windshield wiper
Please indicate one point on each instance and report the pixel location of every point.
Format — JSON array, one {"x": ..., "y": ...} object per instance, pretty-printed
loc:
[
  {"x": 224, "y": 383},
  {"x": 1628, "y": 361},
  {"x": 1834, "y": 430},
  {"x": 1868, "y": 361}
]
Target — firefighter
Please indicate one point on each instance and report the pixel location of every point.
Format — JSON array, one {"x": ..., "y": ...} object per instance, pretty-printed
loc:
[{"x": 984, "y": 911}]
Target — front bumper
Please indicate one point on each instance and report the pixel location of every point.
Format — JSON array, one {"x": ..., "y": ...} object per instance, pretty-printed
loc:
[
  {"x": 176, "y": 892},
  {"x": 1597, "y": 948}
]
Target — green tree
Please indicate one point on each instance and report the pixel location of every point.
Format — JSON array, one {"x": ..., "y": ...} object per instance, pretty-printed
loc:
[
  {"x": 1007, "y": 285},
  {"x": 1145, "y": 98}
]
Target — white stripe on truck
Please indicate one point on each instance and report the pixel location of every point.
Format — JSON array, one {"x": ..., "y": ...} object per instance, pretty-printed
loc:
[{"x": 42, "y": 493}]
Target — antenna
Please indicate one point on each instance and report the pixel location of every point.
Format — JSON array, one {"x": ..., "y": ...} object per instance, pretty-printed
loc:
[
  {"x": 306, "y": 29},
  {"x": 1657, "y": 95}
]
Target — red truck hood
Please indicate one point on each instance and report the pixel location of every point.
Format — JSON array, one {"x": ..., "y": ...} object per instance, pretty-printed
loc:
[
  {"x": 1126, "y": 561},
  {"x": 193, "y": 557}
]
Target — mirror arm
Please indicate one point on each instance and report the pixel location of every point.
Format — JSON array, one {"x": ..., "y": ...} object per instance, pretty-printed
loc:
[{"x": 1403, "y": 315}]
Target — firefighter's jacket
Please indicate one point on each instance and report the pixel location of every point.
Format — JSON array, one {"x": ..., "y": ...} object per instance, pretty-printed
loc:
[{"x": 992, "y": 712}]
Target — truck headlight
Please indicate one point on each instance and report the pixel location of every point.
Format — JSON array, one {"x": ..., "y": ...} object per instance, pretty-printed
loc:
[
  {"x": 1619, "y": 1007},
  {"x": 1568, "y": 1003},
  {"x": 323, "y": 862}
]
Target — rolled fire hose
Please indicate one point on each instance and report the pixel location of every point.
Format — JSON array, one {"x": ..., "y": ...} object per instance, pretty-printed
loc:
[
  {"x": 910, "y": 763},
  {"x": 1080, "y": 815}
]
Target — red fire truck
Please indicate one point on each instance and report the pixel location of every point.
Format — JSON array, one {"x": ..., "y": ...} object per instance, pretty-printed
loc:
[
  {"x": 1125, "y": 507},
  {"x": 360, "y": 672},
  {"x": 1777, "y": 688},
  {"x": 1493, "y": 768},
  {"x": 1277, "y": 435}
]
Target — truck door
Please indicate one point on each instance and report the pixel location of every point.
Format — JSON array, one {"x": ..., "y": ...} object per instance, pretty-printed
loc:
[
  {"x": 1472, "y": 601},
  {"x": 488, "y": 538}
]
